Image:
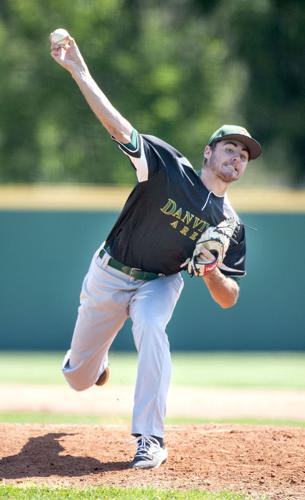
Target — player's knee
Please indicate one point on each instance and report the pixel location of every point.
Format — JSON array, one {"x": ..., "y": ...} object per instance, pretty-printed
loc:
[
  {"x": 78, "y": 375},
  {"x": 77, "y": 381},
  {"x": 78, "y": 386}
]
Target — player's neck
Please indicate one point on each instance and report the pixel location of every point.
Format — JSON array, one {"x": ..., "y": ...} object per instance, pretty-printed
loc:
[{"x": 213, "y": 183}]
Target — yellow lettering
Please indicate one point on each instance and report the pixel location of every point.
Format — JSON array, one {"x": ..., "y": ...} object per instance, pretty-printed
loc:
[
  {"x": 197, "y": 221},
  {"x": 185, "y": 230},
  {"x": 188, "y": 217},
  {"x": 169, "y": 208},
  {"x": 178, "y": 213},
  {"x": 203, "y": 226},
  {"x": 194, "y": 236}
]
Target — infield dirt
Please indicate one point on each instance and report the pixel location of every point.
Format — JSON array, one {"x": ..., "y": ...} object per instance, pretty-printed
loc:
[{"x": 256, "y": 460}]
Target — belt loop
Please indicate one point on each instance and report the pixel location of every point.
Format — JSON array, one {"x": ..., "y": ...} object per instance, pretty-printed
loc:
[{"x": 104, "y": 256}]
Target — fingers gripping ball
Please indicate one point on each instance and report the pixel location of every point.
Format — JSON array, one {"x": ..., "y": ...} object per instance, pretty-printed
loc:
[
  {"x": 215, "y": 240},
  {"x": 59, "y": 37}
]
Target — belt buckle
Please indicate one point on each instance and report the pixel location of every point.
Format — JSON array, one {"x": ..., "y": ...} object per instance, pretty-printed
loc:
[{"x": 132, "y": 269}]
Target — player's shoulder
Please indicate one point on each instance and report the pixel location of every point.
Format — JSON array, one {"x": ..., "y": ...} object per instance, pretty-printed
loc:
[
  {"x": 163, "y": 147},
  {"x": 158, "y": 142}
]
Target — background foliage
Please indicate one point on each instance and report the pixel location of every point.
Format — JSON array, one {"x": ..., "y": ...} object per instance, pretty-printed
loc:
[{"x": 176, "y": 69}]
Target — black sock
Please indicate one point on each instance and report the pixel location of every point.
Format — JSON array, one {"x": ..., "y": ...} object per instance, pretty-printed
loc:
[{"x": 159, "y": 439}]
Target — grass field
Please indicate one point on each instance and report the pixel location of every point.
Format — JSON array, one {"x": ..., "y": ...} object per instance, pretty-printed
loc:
[
  {"x": 243, "y": 370},
  {"x": 208, "y": 370},
  {"x": 31, "y": 417},
  {"x": 44, "y": 493}
]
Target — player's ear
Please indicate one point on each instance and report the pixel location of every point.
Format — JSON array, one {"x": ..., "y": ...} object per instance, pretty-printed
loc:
[{"x": 207, "y": 152}]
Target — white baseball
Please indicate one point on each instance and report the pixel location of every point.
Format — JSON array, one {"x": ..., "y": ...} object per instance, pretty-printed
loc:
[{"x": 59, "y": 36}]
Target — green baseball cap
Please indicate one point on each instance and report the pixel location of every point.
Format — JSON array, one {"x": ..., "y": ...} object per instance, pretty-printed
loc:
[{"x": 240, "y": 134}]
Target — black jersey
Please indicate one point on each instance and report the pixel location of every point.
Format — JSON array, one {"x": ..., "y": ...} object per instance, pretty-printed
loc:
[{"x": 167, "y": 212}]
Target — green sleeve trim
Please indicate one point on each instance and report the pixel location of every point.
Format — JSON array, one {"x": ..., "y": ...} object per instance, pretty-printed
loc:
[{"x": 133, "y": 144}]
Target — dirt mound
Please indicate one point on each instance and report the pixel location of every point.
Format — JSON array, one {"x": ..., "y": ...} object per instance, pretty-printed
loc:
[{"x": 256, "y": 460}]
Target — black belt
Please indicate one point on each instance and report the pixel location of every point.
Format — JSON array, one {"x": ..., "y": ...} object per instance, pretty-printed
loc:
[{"x": 133, "y": 272}]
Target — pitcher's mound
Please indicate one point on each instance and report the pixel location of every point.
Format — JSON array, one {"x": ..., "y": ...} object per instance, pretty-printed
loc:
[{"x": 259, "y": 460}]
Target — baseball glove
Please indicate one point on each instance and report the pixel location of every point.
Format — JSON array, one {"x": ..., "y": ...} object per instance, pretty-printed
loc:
[{"x": 211, "y": 247}]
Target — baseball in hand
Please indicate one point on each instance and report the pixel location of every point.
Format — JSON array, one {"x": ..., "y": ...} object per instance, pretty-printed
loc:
[{"x": 59, "y": 37}]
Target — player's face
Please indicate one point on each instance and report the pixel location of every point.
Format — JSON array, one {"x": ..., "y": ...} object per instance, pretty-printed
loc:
[{"x": 228, "y": 160}]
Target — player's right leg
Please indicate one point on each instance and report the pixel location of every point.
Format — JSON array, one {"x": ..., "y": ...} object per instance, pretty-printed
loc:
[{"x": 102, "y": 312}]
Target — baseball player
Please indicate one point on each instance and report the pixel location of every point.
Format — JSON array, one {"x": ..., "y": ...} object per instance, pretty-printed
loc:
[{"x": 174, "y": 220}]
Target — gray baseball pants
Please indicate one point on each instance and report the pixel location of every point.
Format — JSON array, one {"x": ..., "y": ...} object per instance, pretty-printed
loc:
[{"x": 108, "y": 298}]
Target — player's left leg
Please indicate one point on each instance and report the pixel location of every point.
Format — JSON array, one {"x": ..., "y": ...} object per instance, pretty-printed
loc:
[
  {"x": 102, "y": 312},
  {"x": 150, "y": 310}
]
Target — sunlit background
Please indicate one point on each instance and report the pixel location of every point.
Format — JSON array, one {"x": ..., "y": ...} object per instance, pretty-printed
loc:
[{"x": 177, "y": 69}]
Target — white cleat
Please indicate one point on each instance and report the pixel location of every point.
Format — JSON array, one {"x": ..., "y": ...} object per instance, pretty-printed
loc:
[{"x": 150, "y": 454}]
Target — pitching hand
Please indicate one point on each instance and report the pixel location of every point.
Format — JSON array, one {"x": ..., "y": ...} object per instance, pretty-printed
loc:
[{"x": 68, "y": 56}]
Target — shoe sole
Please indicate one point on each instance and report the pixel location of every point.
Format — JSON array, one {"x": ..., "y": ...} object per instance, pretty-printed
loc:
[{"x": 146, "y": 465}]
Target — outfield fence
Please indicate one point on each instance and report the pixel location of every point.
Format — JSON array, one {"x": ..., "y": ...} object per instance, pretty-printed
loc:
[{"x": 46, "y": 249}]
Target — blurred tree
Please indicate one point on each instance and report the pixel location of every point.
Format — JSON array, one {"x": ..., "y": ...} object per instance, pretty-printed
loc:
[
  {"x": 269, "y": 37},
  {"x": 157, "y": 62},
  {"x": 177, "y": 69}
]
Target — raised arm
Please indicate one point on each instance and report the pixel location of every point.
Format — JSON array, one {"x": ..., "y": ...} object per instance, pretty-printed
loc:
[{"x": 70, "y": 58}]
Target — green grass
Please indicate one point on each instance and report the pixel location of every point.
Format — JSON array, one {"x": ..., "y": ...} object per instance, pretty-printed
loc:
[
  {"x": 244, "y": 370},
  {"x": 236, "y": 370},
  {"x": 101, "y": 493},
  {"x": 30, "y": 368},
  {"x": 38, "y": 417},
  {"x": 31, "y": 417}
]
